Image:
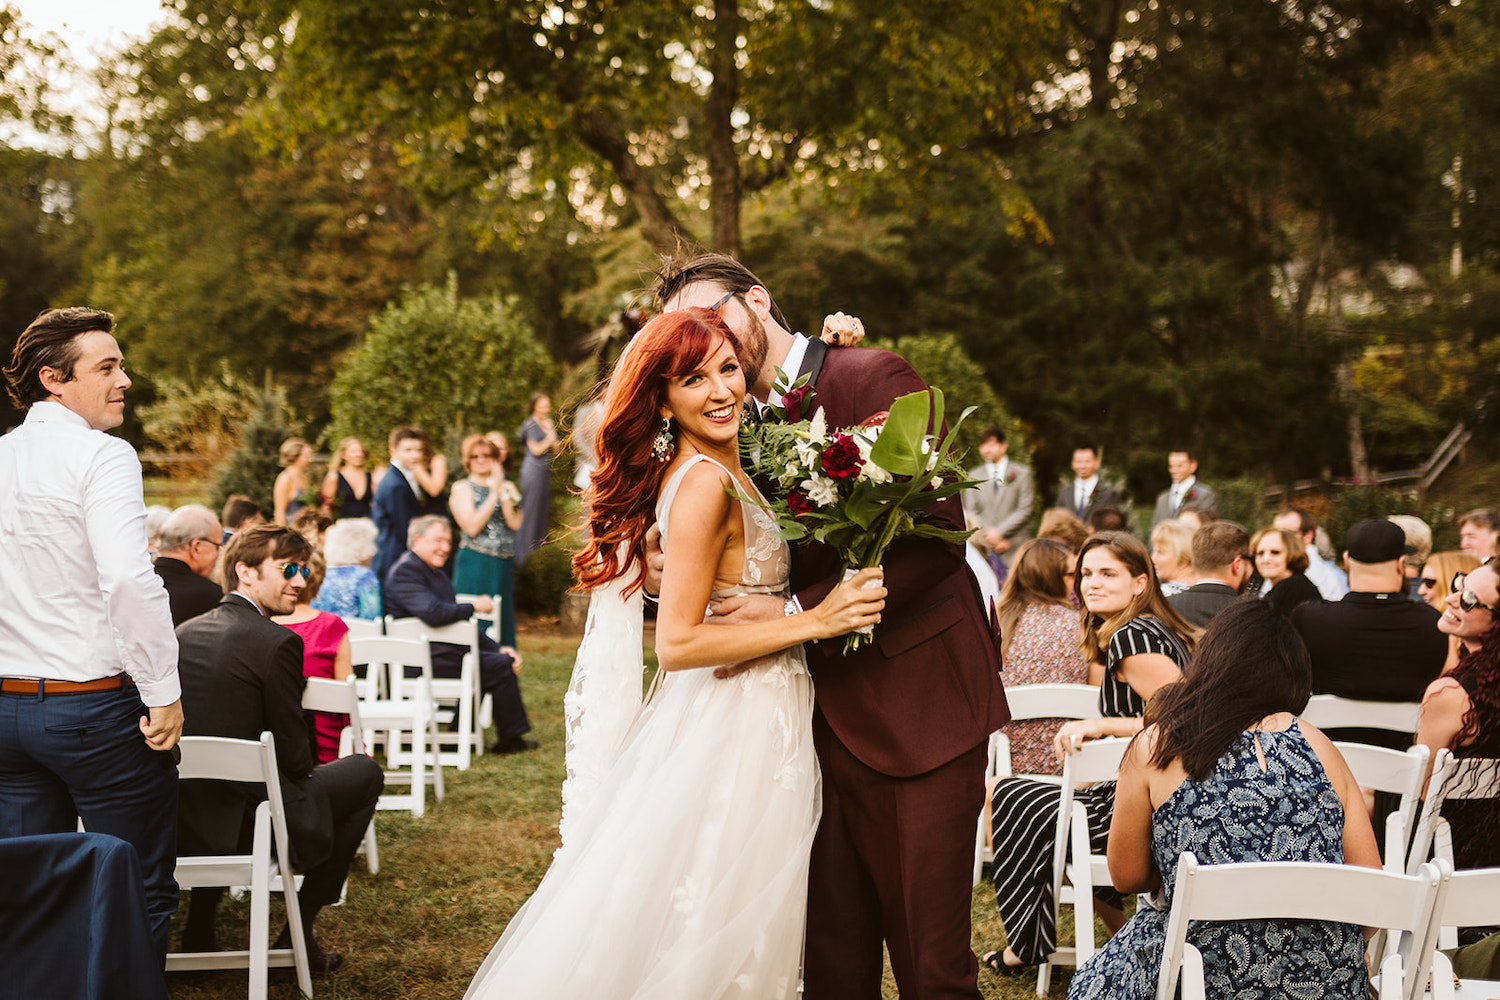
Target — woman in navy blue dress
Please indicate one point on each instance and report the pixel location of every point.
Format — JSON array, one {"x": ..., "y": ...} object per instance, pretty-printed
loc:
[{"x": 1225, "y": 769}]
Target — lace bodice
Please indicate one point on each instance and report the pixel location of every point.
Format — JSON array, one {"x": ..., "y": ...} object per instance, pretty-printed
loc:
[{"x": 768, "y": 562}]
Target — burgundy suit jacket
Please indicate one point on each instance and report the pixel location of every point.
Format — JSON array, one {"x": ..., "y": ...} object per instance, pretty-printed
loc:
[{"x": 928, "y": 688}]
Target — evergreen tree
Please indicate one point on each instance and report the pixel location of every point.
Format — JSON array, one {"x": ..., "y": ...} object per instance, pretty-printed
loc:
[{"x": 253, "y": 467}]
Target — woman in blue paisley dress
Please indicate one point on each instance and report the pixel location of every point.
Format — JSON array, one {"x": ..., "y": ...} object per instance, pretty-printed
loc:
[
  {"x": 1225, "y": 769},
  {"x": 1138, "y": 643}
]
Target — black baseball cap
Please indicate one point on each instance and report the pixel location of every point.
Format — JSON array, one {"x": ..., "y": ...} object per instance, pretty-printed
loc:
[{"x": 1376, "y": 541}]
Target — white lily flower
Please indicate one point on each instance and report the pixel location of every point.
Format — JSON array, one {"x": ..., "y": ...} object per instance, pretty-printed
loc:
[
  {"x": 821, "y": 490},
  {"x": 807, "y": 454},
  {"x": 817, "y": 431},
  {"x": 937, "y": 481}
]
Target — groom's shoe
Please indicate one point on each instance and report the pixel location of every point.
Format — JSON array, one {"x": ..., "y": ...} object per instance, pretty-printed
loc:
[{"x": 516, "y": 744}]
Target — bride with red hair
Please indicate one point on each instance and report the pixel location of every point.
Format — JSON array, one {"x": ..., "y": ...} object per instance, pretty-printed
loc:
[{"x": 687, "y": 821}]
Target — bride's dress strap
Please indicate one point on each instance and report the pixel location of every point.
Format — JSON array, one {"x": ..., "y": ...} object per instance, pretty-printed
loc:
[{"x": 674, "y": 483}]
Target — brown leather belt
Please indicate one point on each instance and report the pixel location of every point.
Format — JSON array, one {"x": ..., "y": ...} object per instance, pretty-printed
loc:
[{"x": 13, "y": 685}]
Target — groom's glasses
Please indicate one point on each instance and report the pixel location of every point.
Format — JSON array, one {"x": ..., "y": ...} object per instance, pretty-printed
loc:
[{"x": 720, "y": 304}]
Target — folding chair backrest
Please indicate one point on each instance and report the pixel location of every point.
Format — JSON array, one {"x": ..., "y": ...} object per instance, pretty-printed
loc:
[
  {"x": 1473, "y": 899},
  {"x": 1452, "y": 778},
  {"x": 324, "y": 694},
  {"x": 1329, "y": 711},
  {"x": 1094, "y": 760},
  {"x": 464, "y": 633},
  {"x": 1052, "y": 701},
  {"x": 1300, "y": 890},
  {"x": 223, "y": 759},
  {"x": 1399, "y": 773},
  {"x": 365, "y": 628},
  {"x": 395, "y": 654}
]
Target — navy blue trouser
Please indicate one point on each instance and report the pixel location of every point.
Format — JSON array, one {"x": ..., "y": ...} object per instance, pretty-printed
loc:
[{"x": 82, "y": 756}]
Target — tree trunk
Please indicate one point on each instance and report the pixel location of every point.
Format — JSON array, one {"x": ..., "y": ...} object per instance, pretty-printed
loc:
[
  {"x": 723, "y": 162},
  {"x": 1359, "y": 459},
  {"x": 659, "y": 224}
]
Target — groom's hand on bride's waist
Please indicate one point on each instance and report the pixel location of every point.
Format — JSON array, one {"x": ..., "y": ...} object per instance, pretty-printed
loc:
[
  {"x": 744, "y": 609},
  {"x": 655, "y": 560}
]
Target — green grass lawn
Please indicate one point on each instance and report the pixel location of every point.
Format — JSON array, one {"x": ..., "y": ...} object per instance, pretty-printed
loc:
[{"x": 449, "y": 882}]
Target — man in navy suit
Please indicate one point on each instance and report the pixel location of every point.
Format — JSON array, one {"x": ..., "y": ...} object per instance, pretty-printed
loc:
[
  {"x": 398, "y": 498},
  {"x": 901, "y": 725},
  {"x": 417, "y": 587}
]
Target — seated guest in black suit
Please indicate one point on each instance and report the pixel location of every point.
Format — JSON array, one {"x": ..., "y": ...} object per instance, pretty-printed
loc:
[
  {"x": 1223, "y": 565},
  {"x": 242, "y": 674},
  {"x": 190, "y": 543},
  {"x": 416, "y": 587},
  {"x": 1375, "y": 644}
]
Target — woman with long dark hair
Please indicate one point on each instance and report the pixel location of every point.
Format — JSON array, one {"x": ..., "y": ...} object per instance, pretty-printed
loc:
[
  {"x": 1461, "y": 711},
  {"x": 685, "y": 840},
  {"x": 1225, "y": 769},
  {"x": 1138, "y": 643},
  {"x": 1039, "y": 643}
]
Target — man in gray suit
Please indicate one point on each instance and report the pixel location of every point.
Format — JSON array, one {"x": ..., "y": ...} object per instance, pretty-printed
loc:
[
  {"x": 1182, "y": 466},
  {"x": 1084, "y": 492},
  {"x": 997, "y": 510}
]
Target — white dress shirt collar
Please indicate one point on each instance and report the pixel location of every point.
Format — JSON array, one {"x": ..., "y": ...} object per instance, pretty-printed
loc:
[
  {"x": 998, "y": 469},
  {"x": 791, "y": 364},
  {"x": 1182, "y": 489},
  {"x": 250, "y": 601},
  {"x": 50, "y": 411},
  {"x": 409, "y": 476}
]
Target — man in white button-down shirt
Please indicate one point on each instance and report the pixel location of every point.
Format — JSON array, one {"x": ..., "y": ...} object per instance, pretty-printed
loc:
[{"x": 90, "y": 707}]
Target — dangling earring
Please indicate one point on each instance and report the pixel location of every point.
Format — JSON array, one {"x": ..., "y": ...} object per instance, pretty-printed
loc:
[{"x": 661, "y": 446}]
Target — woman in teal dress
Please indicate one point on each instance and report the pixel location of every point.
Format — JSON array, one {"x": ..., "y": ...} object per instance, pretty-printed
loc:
[
  {"x": 1225, "y": 769},
  {"x": 484, "y": 505}
]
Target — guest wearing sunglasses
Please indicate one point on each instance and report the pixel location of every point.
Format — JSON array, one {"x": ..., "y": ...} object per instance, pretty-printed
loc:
[
  {"x": 241, "y": 675},
  {"x": 1434, "y": 584},
  {"x": 1375, "y": 644},
  {"x": 1461, "y": 710}
]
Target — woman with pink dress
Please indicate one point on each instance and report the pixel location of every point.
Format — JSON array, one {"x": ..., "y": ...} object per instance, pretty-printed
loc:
[{"x": 325, "y": 652}]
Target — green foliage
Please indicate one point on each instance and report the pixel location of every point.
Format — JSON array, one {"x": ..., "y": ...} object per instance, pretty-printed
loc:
[
  {"x": 543, "y": 579},
  {"x": 448, "y": 365},
  {"x": 204, "y": 419},
  {"x": 1242, "y": 500},
  {"x": 942, "y": 362},
  {"x": 1359, "y": 503},
  {"x": 253, "y": 467}
]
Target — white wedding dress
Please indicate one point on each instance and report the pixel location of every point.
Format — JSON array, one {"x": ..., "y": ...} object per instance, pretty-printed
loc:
[{"x": 684, "y": 875}]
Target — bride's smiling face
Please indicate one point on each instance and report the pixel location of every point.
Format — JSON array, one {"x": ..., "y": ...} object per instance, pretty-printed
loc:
[{"x": 706, "y": 402}]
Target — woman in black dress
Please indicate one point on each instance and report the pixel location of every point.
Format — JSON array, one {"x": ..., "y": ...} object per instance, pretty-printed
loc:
[
  {"x": 1281, "y": 559},
  {"x": 346, "y": 488}
]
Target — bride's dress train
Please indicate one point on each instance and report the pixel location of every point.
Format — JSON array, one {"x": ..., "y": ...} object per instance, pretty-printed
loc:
[{"x": 685, "y": 876}]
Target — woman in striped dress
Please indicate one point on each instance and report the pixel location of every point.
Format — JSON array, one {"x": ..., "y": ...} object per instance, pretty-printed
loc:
[{"x": 1141, "y": 643}]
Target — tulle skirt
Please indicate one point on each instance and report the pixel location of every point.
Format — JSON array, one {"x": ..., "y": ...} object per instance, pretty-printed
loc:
[{"x": 687, "y": 876}]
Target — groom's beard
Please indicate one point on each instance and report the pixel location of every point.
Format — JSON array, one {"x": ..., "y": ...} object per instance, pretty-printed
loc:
[{"x": 755, "y": 346}]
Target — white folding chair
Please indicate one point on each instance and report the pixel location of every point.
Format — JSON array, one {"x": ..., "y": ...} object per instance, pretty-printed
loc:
[
  {"x": 1028, "y": 701},
  {"x": 1093, "y": 761},
  {"x": 409, "y": 707},
  {"x": 1329, "y": 711},
  {"x": 323, "y": 694},
  {"x": 1456, "y": 778},
  {"x": 486, "y": 705},
  {"x": 1301, "y": 890},
  {"x": 1398, "y": 773},
  {"x": 462, "y": 692},
  {"x": 252, "y": 762},
  {"x": 1472, "y": 900}
]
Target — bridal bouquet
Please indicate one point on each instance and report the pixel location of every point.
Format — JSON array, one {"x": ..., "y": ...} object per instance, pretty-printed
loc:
[{"x": 859, "y": 488}]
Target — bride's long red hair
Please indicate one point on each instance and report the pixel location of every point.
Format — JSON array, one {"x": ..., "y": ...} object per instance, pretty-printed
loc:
[{"x": 628, "y": 479}]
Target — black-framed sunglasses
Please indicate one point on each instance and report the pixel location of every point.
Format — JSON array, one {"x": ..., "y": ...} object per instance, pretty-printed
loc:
[
  {"x": 720, "y": 304},
  {"x": 292, "y": 569},
  {"x": 1467, "y": 599}
]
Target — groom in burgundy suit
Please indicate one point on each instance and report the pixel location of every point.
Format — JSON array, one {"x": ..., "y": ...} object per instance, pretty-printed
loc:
[{"x": 901, "y": 725}]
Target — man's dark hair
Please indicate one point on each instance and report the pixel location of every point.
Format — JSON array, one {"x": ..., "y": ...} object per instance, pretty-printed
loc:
[
  {"x": 237, "y": 510},
  {"x": 50, "y": 342},
  {"x": 408, "y": 434},
  {"x": 1215, "y": 546},
  {"x": 992, "y": 433},
  {"x": 723, "y": 270},
  {"x": 1179, "y": 450},
  {"x": 1106, "y": 519},
  {"x": 1483, "y": 517},
  {"x": 254, "y": 546},
  {"x": 1087, "y": 447}
]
